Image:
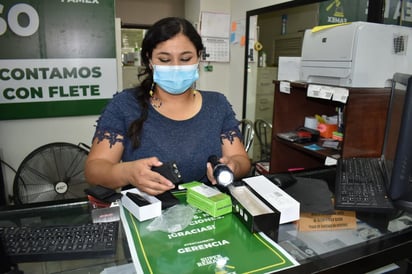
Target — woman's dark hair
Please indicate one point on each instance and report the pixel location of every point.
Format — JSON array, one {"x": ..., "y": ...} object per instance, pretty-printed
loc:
[{"x": 161, "y": 31}]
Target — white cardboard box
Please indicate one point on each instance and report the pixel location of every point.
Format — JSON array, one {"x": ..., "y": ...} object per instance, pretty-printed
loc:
[
  {"x": 289, "y": 208},
  {"x": 142, "y": 213}
]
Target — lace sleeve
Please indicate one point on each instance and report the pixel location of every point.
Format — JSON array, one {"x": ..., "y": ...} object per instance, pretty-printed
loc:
[
  {"x": 111, "y": 124},
  {"x": 230, "y": 135},
  {"x": 231, "y": 124},
  {"x": 110, "y": 135}
]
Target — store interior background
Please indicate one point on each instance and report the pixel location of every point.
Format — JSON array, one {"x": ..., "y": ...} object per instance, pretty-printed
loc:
[{"x": 19, "y": 137}]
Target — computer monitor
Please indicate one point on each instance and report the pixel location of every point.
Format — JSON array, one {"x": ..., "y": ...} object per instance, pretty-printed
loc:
[{"x": 397, "y": 150}]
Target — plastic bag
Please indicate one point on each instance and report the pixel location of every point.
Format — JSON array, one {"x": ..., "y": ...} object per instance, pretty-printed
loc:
[{"x": 173, "y": 219}]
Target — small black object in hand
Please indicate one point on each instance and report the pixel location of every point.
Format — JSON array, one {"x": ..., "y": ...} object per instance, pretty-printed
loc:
[{"x": 170, "y": 171}]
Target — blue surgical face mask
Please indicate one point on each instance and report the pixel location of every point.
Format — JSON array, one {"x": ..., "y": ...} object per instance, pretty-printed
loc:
[{"x": 175, "y": 79}]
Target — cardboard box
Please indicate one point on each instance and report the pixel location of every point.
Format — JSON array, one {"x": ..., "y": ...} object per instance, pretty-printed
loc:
[
  {"x": 253, "y": 213},
  {"x": 275, "y": 197},
  {"x": 208, "y": 199},
  {"x": 142, "y": 213}
]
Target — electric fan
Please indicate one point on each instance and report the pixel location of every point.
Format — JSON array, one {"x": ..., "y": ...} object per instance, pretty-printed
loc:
[{"x": 51, "y": 172}]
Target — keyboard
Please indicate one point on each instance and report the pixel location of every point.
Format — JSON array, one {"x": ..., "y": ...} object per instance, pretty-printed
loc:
[
  {"x": 66, "y": 242},
  {"x": 360, "y": 186}
]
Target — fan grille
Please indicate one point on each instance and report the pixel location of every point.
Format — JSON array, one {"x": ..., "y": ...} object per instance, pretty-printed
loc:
[{"x": 51, "y": 172}]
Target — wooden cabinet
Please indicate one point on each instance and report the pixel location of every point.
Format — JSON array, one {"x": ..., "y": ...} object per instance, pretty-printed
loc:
[{"x": 364, "y": 125}]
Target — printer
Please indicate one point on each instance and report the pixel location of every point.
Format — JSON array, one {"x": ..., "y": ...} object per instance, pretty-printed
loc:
[{"x": 357, "y": 54}]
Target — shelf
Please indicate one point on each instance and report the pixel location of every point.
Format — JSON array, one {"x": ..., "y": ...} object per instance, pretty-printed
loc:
[
  {"x": 321, "y": 154},
  {"x": 364, "y": 125}
]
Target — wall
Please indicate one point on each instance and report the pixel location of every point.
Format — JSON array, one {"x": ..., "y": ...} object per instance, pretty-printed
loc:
[
  {"x": 19, "y": 137},
  {"x": 298, "y": 19},
  {"x": 236, "y": 70},
  {"x": 218, "y": 79},
  {"x": 136, "y": 11},
  {"x": 226, "y": 77}
]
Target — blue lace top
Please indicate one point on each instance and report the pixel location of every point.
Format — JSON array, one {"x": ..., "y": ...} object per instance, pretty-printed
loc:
[{"x": 189, "y": 143}]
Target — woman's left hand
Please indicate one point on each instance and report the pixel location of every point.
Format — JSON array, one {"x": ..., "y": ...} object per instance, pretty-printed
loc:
[{"x": 224, "y": 160}]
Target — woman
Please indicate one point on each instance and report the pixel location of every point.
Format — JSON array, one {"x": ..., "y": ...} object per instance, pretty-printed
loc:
[{"x": 165, "y": 119}]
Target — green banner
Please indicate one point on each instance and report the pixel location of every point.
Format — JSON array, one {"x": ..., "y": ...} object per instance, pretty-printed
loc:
[
  {"x": 207, "y": 245},
  {"x": 52, "y": 109},
  {"x": 37, "y": 29},
  {"x": 396, "y": 12},
  {"x": 56, "y": 53}
]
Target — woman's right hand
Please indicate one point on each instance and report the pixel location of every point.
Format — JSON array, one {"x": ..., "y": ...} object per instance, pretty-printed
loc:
[{"x": 104, "y": 167}]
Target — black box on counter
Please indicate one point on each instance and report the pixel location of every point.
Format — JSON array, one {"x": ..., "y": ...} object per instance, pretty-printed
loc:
[{"x": 253, "y": 212}]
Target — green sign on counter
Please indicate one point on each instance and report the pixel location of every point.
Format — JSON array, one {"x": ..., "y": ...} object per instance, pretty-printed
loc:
[
  {"x": 57, "y": 57},
  {"x": 208, "y": 245}
]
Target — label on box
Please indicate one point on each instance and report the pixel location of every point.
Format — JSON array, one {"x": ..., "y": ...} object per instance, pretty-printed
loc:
[
  {"x": 341, "y": 219},
  {"x": 206, "y": 191},
  {"x": 107, "y": 214},
  {"x": 274, "y": 196}
]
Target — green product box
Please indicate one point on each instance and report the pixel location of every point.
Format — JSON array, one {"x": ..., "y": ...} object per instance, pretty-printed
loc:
[{"x": 208, "y": 199}]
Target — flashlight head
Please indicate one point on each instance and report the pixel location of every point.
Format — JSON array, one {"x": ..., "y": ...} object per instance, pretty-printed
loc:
[{"x": 223, "y": 175}]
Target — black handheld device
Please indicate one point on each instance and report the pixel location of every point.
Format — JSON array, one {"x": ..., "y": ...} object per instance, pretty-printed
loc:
[
  {"x": 137, "y": 199},
  {"x": 170, "y": 171},
  {"x": 103, "y": 194},
  {"x": 168, "y": 199}
]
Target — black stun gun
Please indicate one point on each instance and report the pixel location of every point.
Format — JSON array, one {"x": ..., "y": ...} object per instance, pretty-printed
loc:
[{"x": 221, "y": 172}]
